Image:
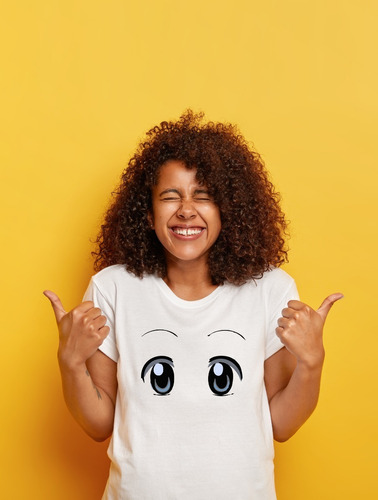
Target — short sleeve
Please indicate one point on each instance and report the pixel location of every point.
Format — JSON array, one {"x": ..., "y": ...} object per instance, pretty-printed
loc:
[
  {"x": 278, "y": 300},
  {"x": 109, "y": 346}
]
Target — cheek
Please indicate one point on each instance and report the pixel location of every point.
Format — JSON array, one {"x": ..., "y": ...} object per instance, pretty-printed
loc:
[
  {"x": 214, "y": 220},
  {"x": 158, "y": 216},
  {"x": 161, "y": 219}
]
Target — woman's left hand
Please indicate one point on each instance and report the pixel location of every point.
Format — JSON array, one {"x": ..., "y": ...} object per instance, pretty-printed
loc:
[{"x": 300, "y": 329}]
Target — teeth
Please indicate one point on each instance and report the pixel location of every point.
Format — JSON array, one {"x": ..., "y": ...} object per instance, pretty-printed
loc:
[{"x": 186, "y": 232}]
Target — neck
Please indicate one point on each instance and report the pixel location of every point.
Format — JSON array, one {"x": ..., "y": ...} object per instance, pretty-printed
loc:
[{"x": 188, "y": 280}]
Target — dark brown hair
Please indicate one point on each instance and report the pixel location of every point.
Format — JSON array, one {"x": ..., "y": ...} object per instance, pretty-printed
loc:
[{"x": 253, "y": 226}]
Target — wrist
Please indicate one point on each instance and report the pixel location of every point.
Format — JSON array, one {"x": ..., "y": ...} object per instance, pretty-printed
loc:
[
  {"x": 68, "y": 363},
  {"x": 311, "y": 357},
  {"x": 311, "y": 364}
]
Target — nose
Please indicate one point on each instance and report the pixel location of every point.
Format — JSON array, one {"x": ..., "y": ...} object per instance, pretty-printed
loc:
[{"x": 186, "y": 210}]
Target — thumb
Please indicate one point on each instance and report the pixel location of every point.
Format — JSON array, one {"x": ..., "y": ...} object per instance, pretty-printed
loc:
[
  {"x": 327, "y": 304},
  {"x": 57, "y": 306}
]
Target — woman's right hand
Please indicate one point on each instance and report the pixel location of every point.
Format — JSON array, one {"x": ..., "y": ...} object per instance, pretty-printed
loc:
[{"x": 81, "y": 331}]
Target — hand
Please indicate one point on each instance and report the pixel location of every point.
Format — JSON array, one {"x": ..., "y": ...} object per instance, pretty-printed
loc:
[
  {"x": 81, "y": 331},
  {"x": 300, "y": 329}
]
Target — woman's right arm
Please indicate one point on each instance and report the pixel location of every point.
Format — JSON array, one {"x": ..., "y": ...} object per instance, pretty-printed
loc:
[{"x": 89, "y": 377}]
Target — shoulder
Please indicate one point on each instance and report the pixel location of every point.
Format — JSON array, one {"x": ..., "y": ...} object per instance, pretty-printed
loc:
[
  {"x": 278, "y": 287},
  {"x": 115, "y": 277},
  {"x": 276, "y": 277},
  {"x": 110, "y": 273},
  {"x": 271, "y": 287},
  {"x": 274, "y": 284}
]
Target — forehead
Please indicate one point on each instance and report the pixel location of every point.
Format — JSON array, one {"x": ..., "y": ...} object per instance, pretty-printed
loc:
[{"x": 175, "y": 172}]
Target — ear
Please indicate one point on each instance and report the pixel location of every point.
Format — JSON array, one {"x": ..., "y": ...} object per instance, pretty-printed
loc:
[{"x": 150, "y": 218}]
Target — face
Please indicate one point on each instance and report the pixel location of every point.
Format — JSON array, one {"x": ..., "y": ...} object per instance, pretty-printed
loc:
[{"x": 184, "y": 216}]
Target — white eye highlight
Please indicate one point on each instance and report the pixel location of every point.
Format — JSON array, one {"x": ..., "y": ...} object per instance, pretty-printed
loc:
[
  {"x": 218, "y": 369},
  {"x": 158, "y": 369}
]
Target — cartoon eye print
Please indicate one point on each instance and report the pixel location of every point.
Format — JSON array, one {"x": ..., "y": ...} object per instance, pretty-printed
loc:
[
  {"x": 221, "y": 374},
  {"x": 162, "y": 375}
]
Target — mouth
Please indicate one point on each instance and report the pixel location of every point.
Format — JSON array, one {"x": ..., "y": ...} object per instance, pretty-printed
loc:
[{"x": 187, "y": 232}]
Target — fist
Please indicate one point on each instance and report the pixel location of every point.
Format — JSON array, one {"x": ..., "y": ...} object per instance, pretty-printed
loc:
[
  {"x": 81, "y": 331},
  {"x": 300, "y": 329}
]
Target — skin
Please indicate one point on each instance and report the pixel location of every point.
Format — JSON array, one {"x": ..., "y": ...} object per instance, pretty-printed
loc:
[
  {"x": 89, "y": 378},
  {"x": 179, "y": 203},
  {"x": 292, "y": 375}
]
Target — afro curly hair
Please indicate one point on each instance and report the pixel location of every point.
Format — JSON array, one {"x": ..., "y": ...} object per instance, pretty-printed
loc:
[{"x": 251, "y": 240}]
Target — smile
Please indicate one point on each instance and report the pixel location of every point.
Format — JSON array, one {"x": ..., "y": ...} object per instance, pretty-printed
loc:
[{"x": 187, "y": 231}]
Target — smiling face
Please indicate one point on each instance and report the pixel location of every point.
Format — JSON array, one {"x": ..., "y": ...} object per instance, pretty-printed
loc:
[{"x": 184, "y": 216}]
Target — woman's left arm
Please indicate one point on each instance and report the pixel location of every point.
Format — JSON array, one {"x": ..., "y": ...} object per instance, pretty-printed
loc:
[{"x": 292, "y": 375}]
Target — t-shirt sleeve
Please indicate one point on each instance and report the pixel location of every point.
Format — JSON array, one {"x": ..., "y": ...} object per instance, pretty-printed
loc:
[
  {"x": 278, "y": 301},
  {"x": 109, "y": 345}
]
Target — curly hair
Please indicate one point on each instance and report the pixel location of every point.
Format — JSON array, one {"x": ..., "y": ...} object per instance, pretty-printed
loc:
[{"x": 251, "y": 240}]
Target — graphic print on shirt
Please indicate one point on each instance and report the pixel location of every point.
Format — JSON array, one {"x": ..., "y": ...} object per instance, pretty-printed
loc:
[{"x": 160, "y": 370}]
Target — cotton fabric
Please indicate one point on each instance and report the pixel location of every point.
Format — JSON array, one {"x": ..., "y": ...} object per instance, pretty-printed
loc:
[{"x": 192, "y": 419}]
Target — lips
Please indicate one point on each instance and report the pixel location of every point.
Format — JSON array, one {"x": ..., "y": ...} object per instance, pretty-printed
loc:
[{"x": 187, "y": 232}]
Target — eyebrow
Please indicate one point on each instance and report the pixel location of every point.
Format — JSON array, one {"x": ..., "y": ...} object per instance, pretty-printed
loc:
[
  {"x": 176, "y": 191},
  {"x": 169, "y": 190},
  {"x": 159, "y": 330},
  {"x": 231, "y": 331}
]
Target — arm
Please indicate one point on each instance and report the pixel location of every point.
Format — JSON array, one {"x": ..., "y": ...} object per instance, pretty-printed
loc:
[
  {"x": 88, "y": 376},
  {"x": 292, "y": 375}
]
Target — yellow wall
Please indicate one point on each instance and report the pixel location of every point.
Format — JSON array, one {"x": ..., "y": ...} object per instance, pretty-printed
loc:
[{"x": 83, "y": 81}]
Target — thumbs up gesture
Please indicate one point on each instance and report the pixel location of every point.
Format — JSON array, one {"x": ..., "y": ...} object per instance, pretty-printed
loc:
[
  {"x": 81, "y": 331},
  {"x": 300, "y": 329}
]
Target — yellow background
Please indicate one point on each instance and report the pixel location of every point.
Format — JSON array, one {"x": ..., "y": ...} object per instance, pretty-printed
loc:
[{"x": 81, "y": 83}]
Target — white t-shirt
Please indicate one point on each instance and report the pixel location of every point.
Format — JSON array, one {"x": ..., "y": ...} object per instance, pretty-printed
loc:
[{"x": 192, "y": 419}]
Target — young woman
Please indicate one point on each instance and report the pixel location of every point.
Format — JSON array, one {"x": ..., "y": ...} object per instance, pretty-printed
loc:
[{"x": 191, "y": 347}]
